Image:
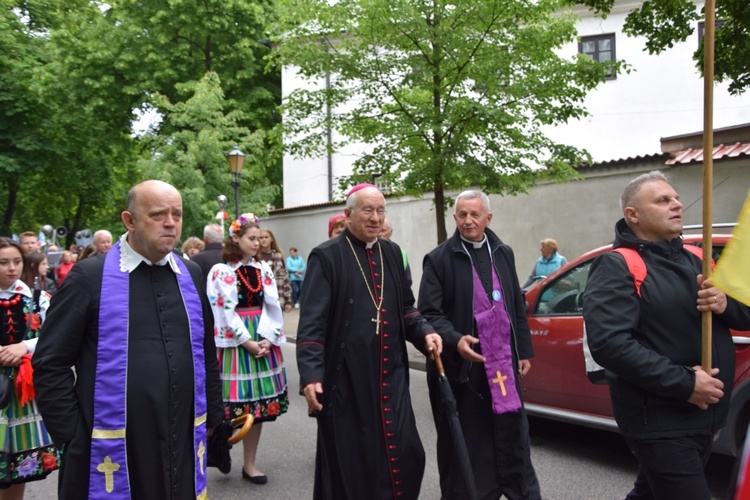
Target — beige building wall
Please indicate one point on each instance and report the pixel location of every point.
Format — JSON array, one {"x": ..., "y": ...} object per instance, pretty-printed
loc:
[{"x": 580, "y": 215}]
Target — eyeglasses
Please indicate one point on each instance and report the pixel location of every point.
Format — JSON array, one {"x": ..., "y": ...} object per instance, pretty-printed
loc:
[{"x": 369, "y": 211}]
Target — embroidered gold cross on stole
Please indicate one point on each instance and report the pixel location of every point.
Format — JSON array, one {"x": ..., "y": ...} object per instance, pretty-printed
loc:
[
  {"x": 500, "y": 380},
  {"x": 108, "y": 468}
]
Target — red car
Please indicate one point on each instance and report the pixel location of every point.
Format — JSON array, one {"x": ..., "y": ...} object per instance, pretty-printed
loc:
[{"x": 557, "y": 386}]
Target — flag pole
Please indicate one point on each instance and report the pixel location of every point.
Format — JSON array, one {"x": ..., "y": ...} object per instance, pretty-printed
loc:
[{"x": 708, "y": 167}]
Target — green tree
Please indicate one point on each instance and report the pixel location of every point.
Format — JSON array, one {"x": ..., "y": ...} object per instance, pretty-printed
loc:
[
  {"x": 447, "y": 94},
  {"x": 666, "y": 22},
  {"x": 192, "y": 157},
  {"x": 74, "y": 71},
  {"x": 65, "y": 140},
  {"x": 85, "y": 183},
  {"x": 165, "y": 48},
  {"x": 24, "y": 146}
]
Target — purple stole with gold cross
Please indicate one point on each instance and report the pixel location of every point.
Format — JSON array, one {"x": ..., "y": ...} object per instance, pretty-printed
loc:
[
  {"x": 493, "y": 328},
  {"x": 108, "y": 475}
]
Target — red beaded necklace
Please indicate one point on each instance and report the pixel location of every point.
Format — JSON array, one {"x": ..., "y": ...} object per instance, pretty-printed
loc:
[
  {"x": 245, "y": 282},
  {"x": 11, "y": 324},
  {"x": 11, "y": 302}
]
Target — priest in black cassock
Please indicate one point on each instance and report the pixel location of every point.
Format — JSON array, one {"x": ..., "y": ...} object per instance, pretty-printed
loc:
[
  {"x": 470, "y": 293},
  {"x": 136, "y": 325},
  {"x": 351, "y": 353}
]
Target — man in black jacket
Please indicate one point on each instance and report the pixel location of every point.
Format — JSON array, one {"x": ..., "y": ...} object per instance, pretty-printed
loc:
[
  {"x": 666, "y": 406},
  {"x": 211, "y": 255},
  {"x": 470, "y": 295}
]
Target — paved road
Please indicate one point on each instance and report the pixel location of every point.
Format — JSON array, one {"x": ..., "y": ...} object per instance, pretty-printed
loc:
[{"x": 572, "y": 463}]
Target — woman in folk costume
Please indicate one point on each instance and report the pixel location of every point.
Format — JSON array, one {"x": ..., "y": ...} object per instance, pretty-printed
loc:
[
  {"x": 26, "y": 449},
  {"x": 270, "y": 252},
  {"x": 248, "y": 331}
]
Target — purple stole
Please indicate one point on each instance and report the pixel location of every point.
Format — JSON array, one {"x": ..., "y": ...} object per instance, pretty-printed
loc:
[
  {"x": 493, "y": 328},
  {"x": 108, "y": 475}
]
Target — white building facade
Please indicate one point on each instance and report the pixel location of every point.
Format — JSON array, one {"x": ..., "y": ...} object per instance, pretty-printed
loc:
[{"x": 662, "y": 96}]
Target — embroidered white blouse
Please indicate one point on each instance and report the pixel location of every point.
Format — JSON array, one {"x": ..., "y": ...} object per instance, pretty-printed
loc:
[
  {"x": 20, "y": 287},
  {"x": 229, "y": 329}
]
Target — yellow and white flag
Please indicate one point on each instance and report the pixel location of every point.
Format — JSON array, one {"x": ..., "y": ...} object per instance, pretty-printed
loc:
[{"x": 732, "y": 274}]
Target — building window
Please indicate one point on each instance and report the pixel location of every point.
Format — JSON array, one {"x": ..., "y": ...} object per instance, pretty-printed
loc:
[
  {"x": 600, "y": 48},
  {"x": 382, "y": 183},
  {"x": 702, "y": 28}
]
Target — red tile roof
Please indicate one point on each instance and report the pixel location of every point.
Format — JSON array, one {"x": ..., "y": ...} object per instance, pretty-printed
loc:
[{"x": 722, "y": 151}]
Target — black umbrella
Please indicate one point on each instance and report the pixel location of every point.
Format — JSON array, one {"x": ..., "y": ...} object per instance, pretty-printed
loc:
[
  {"x": 223, "y": 438},
  {"x": 462, "y": 474}
]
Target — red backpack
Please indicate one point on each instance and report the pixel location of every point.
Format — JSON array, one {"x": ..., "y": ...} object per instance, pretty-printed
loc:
[{"x": 637, "y": 267}]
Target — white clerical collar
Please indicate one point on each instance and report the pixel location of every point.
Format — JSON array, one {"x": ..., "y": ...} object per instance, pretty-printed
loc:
[
  {"x": 369, "y": 245},
  {"x": 17, "y": 287},
  {"x": 130, "y": 259},
  {"x": 476, "y": 244}
]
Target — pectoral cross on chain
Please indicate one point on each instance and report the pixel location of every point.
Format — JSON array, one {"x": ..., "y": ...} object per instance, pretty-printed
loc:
[
  {"x": 376, "y": 320},
  {"x": 108, "y": 468},
  {"x": 500, "y": 380}
]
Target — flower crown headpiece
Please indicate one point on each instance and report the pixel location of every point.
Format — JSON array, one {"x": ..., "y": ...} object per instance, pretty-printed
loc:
[{"x": 236, "y": 226}]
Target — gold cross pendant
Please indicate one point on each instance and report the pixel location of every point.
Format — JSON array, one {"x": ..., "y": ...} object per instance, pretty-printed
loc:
[{"x": 377, "y": 323}]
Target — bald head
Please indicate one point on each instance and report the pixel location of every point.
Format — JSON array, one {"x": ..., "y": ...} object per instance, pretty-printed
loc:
[
  {"x": 153, "y": 219},
  {"x": 149, "y": 186}
]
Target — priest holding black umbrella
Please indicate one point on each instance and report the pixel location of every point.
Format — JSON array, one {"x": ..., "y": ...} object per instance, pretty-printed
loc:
[{"x": 470, "y": 294}]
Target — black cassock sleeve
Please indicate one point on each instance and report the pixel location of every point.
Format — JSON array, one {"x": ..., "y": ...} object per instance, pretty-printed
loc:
[{"x": 61, "y": 342}]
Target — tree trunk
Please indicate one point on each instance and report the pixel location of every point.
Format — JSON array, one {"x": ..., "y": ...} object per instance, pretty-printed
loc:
[
  {"x": 77, "y": 217},
  {"x": 10, "y": 208},
  {"x": 207, "y": 54},
  {"x": 442, "y": 235}
]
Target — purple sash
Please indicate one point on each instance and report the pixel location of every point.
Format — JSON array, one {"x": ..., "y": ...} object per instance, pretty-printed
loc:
[
  {"x": 493, "y": 328},
  {"x": 108, "y": 475}
]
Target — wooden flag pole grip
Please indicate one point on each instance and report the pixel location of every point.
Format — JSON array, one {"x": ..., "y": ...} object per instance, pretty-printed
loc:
[{"x": 708, "y": 169}]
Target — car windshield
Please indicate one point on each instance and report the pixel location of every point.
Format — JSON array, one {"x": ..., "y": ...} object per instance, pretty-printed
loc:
[{"x": 564, "y": 294}]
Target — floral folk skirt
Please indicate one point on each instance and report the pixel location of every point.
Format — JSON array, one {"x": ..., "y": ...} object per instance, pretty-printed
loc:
[
  {"x": 253, "y": 386},
  {"x": 26, "y": 449}
]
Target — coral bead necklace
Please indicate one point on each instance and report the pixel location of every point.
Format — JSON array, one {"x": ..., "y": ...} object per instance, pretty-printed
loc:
[
  {"x": 12, "y": 301},
  {"x": 243, "y": 279}
]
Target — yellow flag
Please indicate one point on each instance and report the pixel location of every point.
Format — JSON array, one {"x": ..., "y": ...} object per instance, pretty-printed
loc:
[{"x": 732, "y": 274}]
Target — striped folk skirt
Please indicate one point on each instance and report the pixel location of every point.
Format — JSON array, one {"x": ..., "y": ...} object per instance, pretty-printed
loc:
[
  {"x": 253, "y": 386},
  {"x": 26, "y": 449}
]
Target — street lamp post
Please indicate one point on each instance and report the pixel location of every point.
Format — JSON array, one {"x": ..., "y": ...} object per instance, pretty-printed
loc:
[{"x": 236, "y": 158}]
